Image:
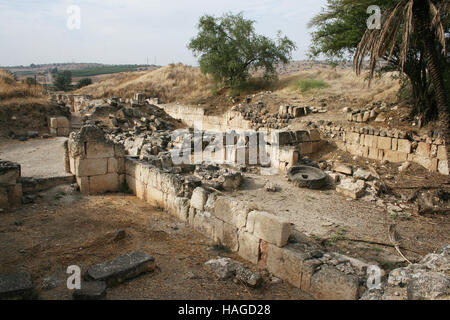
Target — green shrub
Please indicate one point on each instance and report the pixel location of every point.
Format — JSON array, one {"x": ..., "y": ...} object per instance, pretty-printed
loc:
[{"x": 309, "y": 84}]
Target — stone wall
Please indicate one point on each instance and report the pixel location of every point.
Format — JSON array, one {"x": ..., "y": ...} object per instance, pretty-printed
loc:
[
  {"x": 97, "y": 164},
  {"x": 59, "y": 127},
  {"x": 10, "y": 186},
  {"x": 392, "y": 146},
  {"x": 231, "y": 120},
  {"x": 259, "y": 237}
]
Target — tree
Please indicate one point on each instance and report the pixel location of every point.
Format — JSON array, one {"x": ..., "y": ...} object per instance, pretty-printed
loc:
[
  {"x": 63, "y": 81},
  {"x": 339, "y": 30},
  {"x": 228, "y": 48},
  {"x": 428, "y": 20},
  {"x": 84, "y": 82}
]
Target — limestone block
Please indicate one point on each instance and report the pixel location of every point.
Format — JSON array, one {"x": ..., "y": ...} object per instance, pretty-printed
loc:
[
  {"x": 9, "y": 177},
  {"x": 91, "y": 167},
  {"x": 104, "y": 183},
  {"x": 199, "y": 197},
  {"x": 248, "y": 246},
  {"x": 63, "y": 132},
  {"x": 395, "y": 156},
  {"x": 351, "y": 189},
  {"x": 286, "y": 263},
  {"x": 384, "y": 143},
  {"x": 203, "y": 224},
  {"x": 306, "y": 148},
  {"x": 54, "y": 123},
  {"x": 83, "y": 183},
  {"x": 353, "y": 138},
  {"x": 4, "y": 203},
  {"x": 181, "y": 208},
  {"x": 96, "y": 150},
  {"x": 423, "y": 149},
  {"x": 314, "y": 135},
  {"x": 230, "y": 237},
  {"x": 404, "y": 146},
  {"x": 373, "y": 153},
  {"x": 231, "y": 211},
  {"x": 442, "y": 153},
  {"x": 113, "y": 165},
  {"x": 62, "y": 122},
  {"x": 15, "y": 194},
  {"x": 269, "y": 227},
  {"x": 443, "y": 167},
  {"x": 370, "y": 141},
  {"x": 331, "y": 284}
]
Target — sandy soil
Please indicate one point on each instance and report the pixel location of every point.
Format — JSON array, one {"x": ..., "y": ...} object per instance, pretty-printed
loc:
[
  {"x": 39, "y": 158},
  {"x": 65, "y": 228}
]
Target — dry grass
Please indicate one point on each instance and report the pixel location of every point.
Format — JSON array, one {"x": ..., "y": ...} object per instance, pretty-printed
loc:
[
  {"x": 172, "y": 83},
  {"x": 343, "y": 81},
  {"x": 12, "y": 89},
  {"x": 186, "y": 84}
]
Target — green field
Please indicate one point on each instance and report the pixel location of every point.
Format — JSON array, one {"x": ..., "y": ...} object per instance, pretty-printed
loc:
[{"x": 95, "y": 71}]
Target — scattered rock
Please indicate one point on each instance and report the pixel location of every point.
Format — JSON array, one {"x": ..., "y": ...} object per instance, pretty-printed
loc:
[
  {"x": 363, "y": 174},
  {"x": 354, "y": 190},
  {"x": 122, "y": 268},
  {"x": 342, "y": 168},
  {"x": 429, "y": 286},
  {"x": 16, "y": 286},
  {"x": 404, "y": 166},
  {"x": 226, "y": 268},
  {"x": 270, "y": 187},
  {"x": 90, "y": 290}
]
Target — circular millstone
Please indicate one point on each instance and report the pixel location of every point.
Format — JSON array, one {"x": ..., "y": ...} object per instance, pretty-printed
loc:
[{"x": 307, "y": 177}]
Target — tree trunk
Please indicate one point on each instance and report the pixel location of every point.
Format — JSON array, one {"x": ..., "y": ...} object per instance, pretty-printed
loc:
[{"x": 432, "y": 61}]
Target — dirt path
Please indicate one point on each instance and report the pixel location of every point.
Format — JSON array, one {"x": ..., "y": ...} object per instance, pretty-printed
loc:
[
  {"x": 65, "y": 228},
  {"x": 39, "y": 158}
]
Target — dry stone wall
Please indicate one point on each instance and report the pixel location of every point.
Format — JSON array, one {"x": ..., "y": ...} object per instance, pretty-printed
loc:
[
  {"x": 97, "y": 164},
  {"x": 393, "y": 146}
]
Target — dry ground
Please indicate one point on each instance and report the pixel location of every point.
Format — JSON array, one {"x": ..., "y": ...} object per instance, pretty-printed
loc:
[
  {"x": 357, "y": 227},
  {"x": 39, "y": 158},
  {"x": 65, "y": 228}
]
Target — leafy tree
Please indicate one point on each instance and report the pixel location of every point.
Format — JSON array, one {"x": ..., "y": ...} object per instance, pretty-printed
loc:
[
  {"x": 84, "y": 82},
  {"x": 63, "y": 81},
  {"x": 228, "y": 49},
  {"x": 339, "y": 30},
  {"x": 426, "y": 18}
]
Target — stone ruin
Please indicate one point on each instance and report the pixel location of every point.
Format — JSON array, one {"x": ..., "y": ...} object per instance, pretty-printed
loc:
[{"x": 118, "y": 148}]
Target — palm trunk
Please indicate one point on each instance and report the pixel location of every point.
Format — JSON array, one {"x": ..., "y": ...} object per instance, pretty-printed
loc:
[{"x": 432, "y": 63}]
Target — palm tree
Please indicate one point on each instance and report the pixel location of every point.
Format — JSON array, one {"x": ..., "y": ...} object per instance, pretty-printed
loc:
[{"x": 426, "y": 20}]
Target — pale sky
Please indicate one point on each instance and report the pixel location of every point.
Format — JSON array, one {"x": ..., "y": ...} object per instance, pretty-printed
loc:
[{"x": 129, "y": 31}]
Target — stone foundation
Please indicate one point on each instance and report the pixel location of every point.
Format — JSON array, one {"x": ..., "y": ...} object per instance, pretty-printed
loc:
[
  {"x": 395, "y": 147},
  {"x": 59, "y": 127},
  {"x": 10, "y": 186},
  {"x": 97, "y": 164}
]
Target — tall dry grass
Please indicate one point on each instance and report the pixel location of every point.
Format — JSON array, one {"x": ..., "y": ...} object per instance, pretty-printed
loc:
[
  {"x": 12, "y": 89},
  {"x": 176, "y": 82},
  {"x": 344, "y": 82}
]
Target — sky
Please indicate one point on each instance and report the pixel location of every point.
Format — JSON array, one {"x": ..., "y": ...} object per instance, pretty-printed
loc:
[{"x": 132, "y": 31}]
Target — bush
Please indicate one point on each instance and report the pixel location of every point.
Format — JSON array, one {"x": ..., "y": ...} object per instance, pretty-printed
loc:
[{"x": 306, "y": 85}]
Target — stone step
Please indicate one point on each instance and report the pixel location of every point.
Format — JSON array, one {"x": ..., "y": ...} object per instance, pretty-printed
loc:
[{"x": 122, "y": 268}]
